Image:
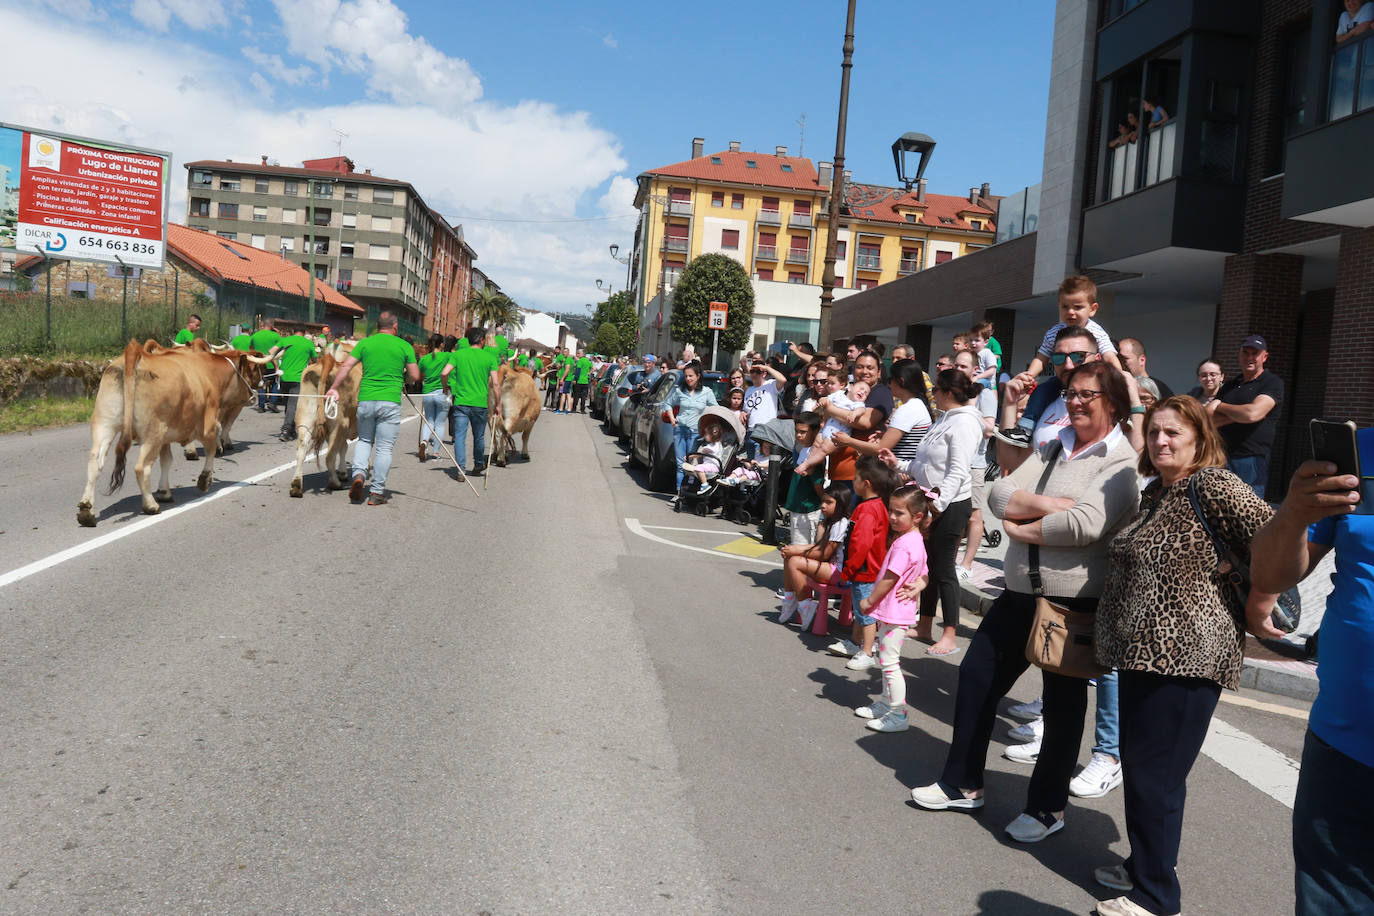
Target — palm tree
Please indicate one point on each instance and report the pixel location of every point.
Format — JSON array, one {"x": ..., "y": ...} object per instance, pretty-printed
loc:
[{"x": 490, "y": 308}]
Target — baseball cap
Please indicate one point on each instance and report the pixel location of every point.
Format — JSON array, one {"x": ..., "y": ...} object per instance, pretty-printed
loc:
[
  {"x": 650, "y": 358},
  {"x": 1255, "y": 342}
]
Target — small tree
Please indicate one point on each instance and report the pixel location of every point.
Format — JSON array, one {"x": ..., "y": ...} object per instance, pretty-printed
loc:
[
  {"x": 607, "y": 340},
  {"x": 713, "y": 278},
  {"x": 618, "y": 313}
]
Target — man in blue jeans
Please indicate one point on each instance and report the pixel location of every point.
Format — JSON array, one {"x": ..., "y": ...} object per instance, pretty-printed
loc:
[
  {"x": 1246, "y": 412},
  {"x": 387, "y": 360},
  {"x": 471, "y": 373},
  {"x": 1333, "y": 808}
]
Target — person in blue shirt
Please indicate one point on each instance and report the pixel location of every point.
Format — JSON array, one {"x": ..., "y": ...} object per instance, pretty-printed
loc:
[{"x": 1334, "y": 807}]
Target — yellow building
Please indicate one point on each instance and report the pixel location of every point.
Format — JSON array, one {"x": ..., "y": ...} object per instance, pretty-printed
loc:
[{"x": 769, "y": 210}]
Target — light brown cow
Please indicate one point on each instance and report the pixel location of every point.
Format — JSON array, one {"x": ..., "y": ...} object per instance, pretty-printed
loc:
[
  {"x": 252, "y": 373},
  {"x": 156, "y": 397},
  {"x": 520, "y": 405},
  {"x": 315, "y": 429}
]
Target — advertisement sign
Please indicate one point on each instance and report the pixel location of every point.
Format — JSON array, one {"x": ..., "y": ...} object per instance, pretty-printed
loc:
[
  {"x": 87, "y": 200},
  {"x": 717, "y": 315}
]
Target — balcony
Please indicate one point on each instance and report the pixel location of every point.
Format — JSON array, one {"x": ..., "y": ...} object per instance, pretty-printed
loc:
[
  {"x": 680, "y": 207},
  {"x": 868, "y": 262},
  {"x": 766, "y": 253},
  {"x": 1124, "y": 165},
  {"x": 1138, "y": 28},
  {"x": 671, "y": 278},
  {"x": 799, "y": 256},
  {"x": 1178, "y": 213},
  {"x": 908, "y": 266},
  {"x": 770, "y": 217},
  {"x": 674, "y": 244},
  {"x": 799, "y": 220}
]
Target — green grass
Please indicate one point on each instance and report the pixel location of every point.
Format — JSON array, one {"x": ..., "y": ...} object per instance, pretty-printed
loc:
[
  {"x": 28, "y": 414},
  {"x": 92, "y": 328}
]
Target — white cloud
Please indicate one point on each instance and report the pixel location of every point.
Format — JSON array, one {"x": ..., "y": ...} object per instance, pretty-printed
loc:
[
  {"x": 610, "y": 41},
  {"x": 272, "y": 65},
  {"x": 528, "y": 161},
  {"x": 198, "y": 14}
]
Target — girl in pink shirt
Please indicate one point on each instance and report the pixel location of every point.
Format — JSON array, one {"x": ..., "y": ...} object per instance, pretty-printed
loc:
[{"x": 910, "y": 512}]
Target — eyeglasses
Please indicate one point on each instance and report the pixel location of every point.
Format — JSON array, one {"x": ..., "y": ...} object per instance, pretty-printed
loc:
[
  {"x": 1086, "y": 395},
  {"x": 1078, "y": 356}
]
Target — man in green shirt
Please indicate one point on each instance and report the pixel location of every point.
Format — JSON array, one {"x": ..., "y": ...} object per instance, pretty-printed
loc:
[
  {"x": 295, "y": 353},
  {"x": 387, "y": 362},
  {"x": 470, "y": 373},
  {"x": 188, "y": 333},
  {"x": 499, "y": 343},
  {"x": 263, "y": 340},
  {"x": 241, "y": 342},
  {"x": 581, "y": 380}
]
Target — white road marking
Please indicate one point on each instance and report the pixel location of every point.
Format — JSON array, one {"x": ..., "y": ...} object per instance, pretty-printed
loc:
[
  {"x": 634, "y": 526},
  {"x": 735, "y": 533},
  {"x": 1273, "y": 773},
  {"x": 1265, "y": 707},
  {"x": 71, "y": 553}
]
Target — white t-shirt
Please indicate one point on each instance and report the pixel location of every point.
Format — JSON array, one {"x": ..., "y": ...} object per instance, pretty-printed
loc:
[
  {"x": 987, "y": 360},
  {"x": 1348, "y": 22},
  {"x": 1054, "y": 419},
  {"x": 987, "y": 407},
  {"x": 832, "y": 425},
  {"x": 838, "y": 532},
  {"x": 1104, "y": 343},
  {"x": 761, "y": 401},
  {"x": 913, "y": 419}
]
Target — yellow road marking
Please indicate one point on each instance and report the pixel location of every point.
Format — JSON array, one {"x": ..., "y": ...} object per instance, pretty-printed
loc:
[
  {"x": 1266, "y": 707},
  {"x": 746, "y": 547}
]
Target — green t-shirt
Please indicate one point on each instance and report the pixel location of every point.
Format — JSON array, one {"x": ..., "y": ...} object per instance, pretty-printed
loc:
[
  {"x": 384, "y": 358},
  {"x": 241, "y": 342},
  {"x": 185, "y": 336},
  {"x": 463, "y": 343},
  {"x": 468, "y": 380},
  {"x": 500, "y": 345},
  {"x": 537, "y": 365},
  {"x": 522, "y": 360},
  {"x": 264, "y": 340},
  {"x": 996, "y": 348},
  {"x": 584, "y": 370},
  {"x": 801, "y": 492},
  {"x": 432, "y": 370},
  {"x": 296, "y": 353}
]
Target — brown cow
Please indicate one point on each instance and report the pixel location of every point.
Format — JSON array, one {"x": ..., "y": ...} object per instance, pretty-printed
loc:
[
  {"x": 252, "y": 374},
  {"x": 520, "y": 405},
  {"x": 314, "y": 428},
  {"x": 157, "y": 397}
]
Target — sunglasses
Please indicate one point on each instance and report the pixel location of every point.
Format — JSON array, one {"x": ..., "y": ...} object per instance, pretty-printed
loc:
[{"x": 1078, "y": 356}]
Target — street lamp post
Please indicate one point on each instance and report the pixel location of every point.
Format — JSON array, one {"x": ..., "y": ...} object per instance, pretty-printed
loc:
[
  {"x": 836, "y": 186},
  {"x": 615, "y": 253}
]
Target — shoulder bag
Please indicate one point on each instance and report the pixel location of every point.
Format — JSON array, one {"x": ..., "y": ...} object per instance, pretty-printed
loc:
[
  {"x": 1061, "y": 640},
  {"x": 1235, "y": 572}
]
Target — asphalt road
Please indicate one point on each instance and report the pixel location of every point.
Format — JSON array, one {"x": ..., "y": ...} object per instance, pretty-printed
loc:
[{"x": 511, "y": 703}]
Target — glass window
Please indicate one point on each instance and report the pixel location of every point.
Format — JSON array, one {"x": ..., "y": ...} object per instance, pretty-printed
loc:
[
  {"x": 260, "y": 185},
  {"x": 231, "y": 236},
  {"x": 796, "y": 276},
  {"x": 345, "y": 249},
  {"x": 260, "y": 214},
  {"x": 736, "y": 201},
  {"x": 383, "y": 196},
  {"x": 228, "y": 183},
  {"x": 350, "y": 220},
  {"x": 381, "y": 224},
  {"x": 770, "y": 204},
  {"x": 376, "y": 281},
  {"x": 717, "y": 198},
  {"x": 797, "y": 330},
  {"x": 350, "y": 192},
  {"x": 290, "y": 188},
  {"x": 289, "y": 216},
  {"x": 764, "y": 273},
  {"x": 379, "y": 252},
  {"x": 228, "y": 211},
  {"x": 200, "y": 206},
  {"x": 201, "y": 178}
]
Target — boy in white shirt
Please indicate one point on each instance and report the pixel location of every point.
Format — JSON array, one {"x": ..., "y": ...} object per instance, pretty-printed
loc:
[
  {"x": 851, "y": 402},
  {"x": 978, "y": 338}
]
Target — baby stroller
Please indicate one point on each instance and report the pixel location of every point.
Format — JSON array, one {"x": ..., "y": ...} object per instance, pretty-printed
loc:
[
  {"x": 747, "y": 502},
  {"x": 690, "y": 496}
]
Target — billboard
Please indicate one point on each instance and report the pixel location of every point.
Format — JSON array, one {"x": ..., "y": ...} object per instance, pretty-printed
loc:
[{"x": 86, "y": 200}]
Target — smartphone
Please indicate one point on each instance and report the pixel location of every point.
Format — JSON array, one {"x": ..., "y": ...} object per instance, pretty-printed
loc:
[{"x": 1335, "y": 441}]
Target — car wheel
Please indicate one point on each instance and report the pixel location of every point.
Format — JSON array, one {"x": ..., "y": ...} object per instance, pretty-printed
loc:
[{"x": 660, "y": 471}]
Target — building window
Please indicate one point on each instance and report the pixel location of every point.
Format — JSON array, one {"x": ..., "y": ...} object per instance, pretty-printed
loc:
[
  {"x": 345, "y": 249},
  {"x": 259, "y": 241},
  {"x": 715, "y": 160},
  {"x": 768, "y": 246},
  {"x": 323, "y": 215},
  {"x": 201, "y": 178},
  {"x": 321, "y": 244},
  {"x": 911, "y": 261},
  {"x": 200, "y": 206},
  {"x": 942, "y": 257},
  {"x": 770, "y": 204},
  {"x": 345, "y": 278},
  {"x": 751, "y": 164},
  {"x": 801, "y": 207},
  {"x": 864, "y": 283},
  {"x": 289, "y": 216},
  {"x": 228, "y": 183},
  {"x": 379, "y": 252},
  {"x": 291, "y": 188},
  {"x": 1294, "y": 95},
  {"x": 796, "y": 276},
  {"x": 259, "y": 214},
  {"x": 840, "y": 247},
  {"x": 260, "y": 185},
  {"x": 288, "y": 243},
  {"x": 381, "y": 224},
  {"x": 350, "y": 192},
  {"x": 717, "y": 198},
  {"x": 729, "y": 239},
  {"x": 736, "y": 201},
  {"x": 228, "y": 211},
  {"x": 764, "y": 273},
  {"x": 350, "y": 220},
  {"x": 869, "y": 257},
  {"x": 231, "y": 236},
  {"x": 321, "y": 271},
  {"x": 383, "y": 196},
  {"x": 911, "y": 217},
  {"x": 376, "y": 281}
]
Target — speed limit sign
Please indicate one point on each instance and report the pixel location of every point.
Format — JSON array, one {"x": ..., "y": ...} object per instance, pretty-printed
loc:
[{"x": 716, "y": 321}]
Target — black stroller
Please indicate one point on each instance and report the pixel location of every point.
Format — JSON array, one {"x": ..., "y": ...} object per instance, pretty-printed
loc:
[
  {"x": 691, "y": 496},
  {"x": 746, "y": 502}
]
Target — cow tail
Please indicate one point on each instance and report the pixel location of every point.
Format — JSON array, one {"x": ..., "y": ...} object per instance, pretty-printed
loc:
[
  {"x": 132, "y": 353},
  {"x": 328, "y": 365}
]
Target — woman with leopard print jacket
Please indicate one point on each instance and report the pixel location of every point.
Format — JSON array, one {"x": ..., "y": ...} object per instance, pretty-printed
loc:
[{"x": 1176, "y": 634}]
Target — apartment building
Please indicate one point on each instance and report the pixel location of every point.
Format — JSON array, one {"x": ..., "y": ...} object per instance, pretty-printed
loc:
[
  {"x": 769, "y": 212},
  {"x": 371, "y": 237}
]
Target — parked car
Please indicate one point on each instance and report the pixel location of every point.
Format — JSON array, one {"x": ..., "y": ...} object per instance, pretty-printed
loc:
[
  {"x": 625, "y": 429},
  {"x": 651, "y": 440},
  {"x": 619, "y": 396},
  {"x": 601, "y": 386}
]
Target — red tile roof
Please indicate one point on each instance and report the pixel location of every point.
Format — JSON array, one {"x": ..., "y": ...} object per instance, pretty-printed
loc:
[
  {"x": 239, "y": 263},
  {"x": 734, "y": 168},
  {"x": 879, "y": 204}
]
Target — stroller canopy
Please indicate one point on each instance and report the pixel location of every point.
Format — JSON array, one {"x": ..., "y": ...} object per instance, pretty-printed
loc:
[
  {"x": 780, "y": 433},
  {"x": 726, "y": 418}
]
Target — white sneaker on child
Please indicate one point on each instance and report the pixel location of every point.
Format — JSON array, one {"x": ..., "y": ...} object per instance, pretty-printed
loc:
[
  {"x": 1023, "y": 753},
  {"x": 862, "y": 661},
  {"x": 843, "y": 648},
  {"x": 789, "y": 607},
  {"x": 892, "y": 722},
  {"x": 807, "y": 609},
  {"x": 875, "y": 710}
]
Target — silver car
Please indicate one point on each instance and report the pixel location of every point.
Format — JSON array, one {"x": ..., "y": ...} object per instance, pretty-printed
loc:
[{"x": 619, "y": 395}]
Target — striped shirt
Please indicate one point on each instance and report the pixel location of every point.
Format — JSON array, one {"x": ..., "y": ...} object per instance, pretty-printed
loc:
[{"x": 913, "y": 419}]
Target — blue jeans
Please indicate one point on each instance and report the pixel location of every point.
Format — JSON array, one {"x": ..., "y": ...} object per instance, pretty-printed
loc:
[
  {"x": 271, "y": 384},
  {"x": 858, "y": 591},
  {"x": 684, "y": 443},
  {"x": 463, "y": 416},
  {"x": 1252, "y": 470},
  {"x": 378, "y": 424},
  {"x": 1042, "y": 397},
  {"x": 1107, "y": 734},
  {"x": 435, "y": 406},
  {"x": 1331, "y": 817}
]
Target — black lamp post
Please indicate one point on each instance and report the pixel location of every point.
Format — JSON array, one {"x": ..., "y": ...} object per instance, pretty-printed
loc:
[
  {"x": 905, "y": 145},
  {"x": 836, "y": 185}
]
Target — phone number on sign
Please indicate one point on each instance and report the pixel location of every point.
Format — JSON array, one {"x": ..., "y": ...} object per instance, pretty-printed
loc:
[{"x": 87, "y": 241}]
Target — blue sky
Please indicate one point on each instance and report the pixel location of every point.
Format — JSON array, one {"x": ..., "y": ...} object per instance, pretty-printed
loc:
[{"x": 540, "y": 112}]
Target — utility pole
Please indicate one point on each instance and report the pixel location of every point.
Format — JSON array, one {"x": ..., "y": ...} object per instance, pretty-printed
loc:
[{"x": 836, "y": 187}]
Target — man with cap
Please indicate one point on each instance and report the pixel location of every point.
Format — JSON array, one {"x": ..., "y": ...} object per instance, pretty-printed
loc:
[
  {"x": 1246, "y": 411},
  {"x": 651, "y": 374}
]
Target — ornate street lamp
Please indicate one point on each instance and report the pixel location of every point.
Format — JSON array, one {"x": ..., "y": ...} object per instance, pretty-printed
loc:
[{"x": 905, "y": 145}]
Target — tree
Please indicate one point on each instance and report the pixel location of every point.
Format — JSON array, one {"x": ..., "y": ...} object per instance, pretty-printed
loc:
[
  {"x": 607, "y": 340},
  {"x": 490, "y": 308},
  {"x": 617, "y": 313},
  {"x": 713, "y": 278}
]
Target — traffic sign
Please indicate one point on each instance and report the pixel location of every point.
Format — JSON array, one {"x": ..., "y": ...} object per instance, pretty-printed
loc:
[{"x": 716, "y": 321}]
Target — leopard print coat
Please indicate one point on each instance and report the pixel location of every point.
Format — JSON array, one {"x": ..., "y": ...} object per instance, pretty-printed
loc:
[{"x": 1164, "y": 609}]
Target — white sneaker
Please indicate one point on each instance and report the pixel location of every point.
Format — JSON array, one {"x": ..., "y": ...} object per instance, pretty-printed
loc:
[
  {"x": 862, "y": 661},
  {"x": 1033, "y": 730},
  {"x": 789, "y": 607},
  {"x": 1023, "y": 753},
  {"x": 875, "y": 710},
  {"x": 1100, "y": 776},
  {"x": 1121, "y": 906},
  {"x": 962, "y": 573},
  {"x": 1113, "y": 876},
  {"x": 1028, "y": 829},
  {"x": 1035, "y": 709},
  {"x": 892, "y": 722},
  {"x": 843, "y": 648},
  {"x": 807, "y": 610},
  {"x": 934, "y": 798}
]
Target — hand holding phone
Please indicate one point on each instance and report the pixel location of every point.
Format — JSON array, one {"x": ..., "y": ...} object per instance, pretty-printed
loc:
[{"x": 1335, "y": 441}]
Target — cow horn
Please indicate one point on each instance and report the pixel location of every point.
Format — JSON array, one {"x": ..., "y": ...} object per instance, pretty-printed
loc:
[{"x": 259, "y": 360}]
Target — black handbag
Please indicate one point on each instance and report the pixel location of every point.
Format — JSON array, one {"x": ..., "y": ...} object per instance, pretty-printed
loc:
[{"x": 1235, "y": 572}]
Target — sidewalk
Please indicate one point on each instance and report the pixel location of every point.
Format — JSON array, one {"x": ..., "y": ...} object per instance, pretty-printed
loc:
[{"x": 1264, "y": 669}]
